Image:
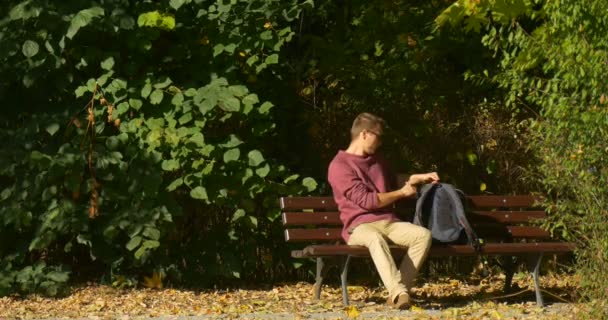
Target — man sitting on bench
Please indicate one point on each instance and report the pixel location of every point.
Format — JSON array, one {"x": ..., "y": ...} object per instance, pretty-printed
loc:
[{"x": 360, "y": 187}]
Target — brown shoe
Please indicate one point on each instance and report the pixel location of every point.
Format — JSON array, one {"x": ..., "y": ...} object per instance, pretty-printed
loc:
[{"x": 401, "y": 302}]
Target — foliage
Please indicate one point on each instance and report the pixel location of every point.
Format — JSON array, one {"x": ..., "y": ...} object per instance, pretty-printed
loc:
[
  {"x": 383, "y": 57},
  {"x": 446, "y": 298},
  {"x": 553, "y": 55},
  {"x": 163, "y": 168},
  {"x": 154, "y": 137}
]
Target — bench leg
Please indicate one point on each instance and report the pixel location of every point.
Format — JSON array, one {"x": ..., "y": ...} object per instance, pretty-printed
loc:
[
  {"x": 508, "y": 265},
  {"x": 534, "y": 267},
  {"x": 321, "y": 269},
  {"x": 343, "y": 278}
]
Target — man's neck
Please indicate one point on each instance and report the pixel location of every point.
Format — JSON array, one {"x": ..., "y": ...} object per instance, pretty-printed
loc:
[{"x": 356, "y": 149}]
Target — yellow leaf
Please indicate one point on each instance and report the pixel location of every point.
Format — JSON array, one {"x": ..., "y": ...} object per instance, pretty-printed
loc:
[
  {"x": 154, "y": 282},
  {"x": 416, "y": 308},
  {"x": 352, "y": 311},
  {"x": 267, "y": 25},
  {"x": 482, "y": 187},
  {"x": 496, "y": 315}
]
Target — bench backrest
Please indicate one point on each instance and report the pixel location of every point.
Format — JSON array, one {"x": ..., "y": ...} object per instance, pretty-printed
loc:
[{"x": 494, "y": 218}]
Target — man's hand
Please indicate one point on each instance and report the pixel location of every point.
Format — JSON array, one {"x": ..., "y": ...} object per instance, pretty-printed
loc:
[
  {"x": 408, "y": 190},
  {"x": 422, "y": 178}
]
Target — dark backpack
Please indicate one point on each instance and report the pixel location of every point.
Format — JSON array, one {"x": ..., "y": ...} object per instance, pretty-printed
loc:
[{"x": 440, "y": 208}]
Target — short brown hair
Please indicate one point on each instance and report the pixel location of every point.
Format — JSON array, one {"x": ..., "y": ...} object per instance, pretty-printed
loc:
[{"x": 365, "y": 121}]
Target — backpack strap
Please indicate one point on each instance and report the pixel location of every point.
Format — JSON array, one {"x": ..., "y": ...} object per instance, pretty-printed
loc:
[
  {"x": 421, "y": 196},
  {"x": 459, "y": 198}
]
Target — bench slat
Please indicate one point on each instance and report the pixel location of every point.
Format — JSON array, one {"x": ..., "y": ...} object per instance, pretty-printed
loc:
[
  {"x": 506, "y": 217},
  {"x": 333, "y": 218},
  {"x": 311, "y": 218},
  {"x": 300, "y": 203},
  {"x": 484, "y": 231},
  {"x": 521, "y": 201},
  {"x": 319, "y": 234},
  {"x": 442, "y": 250},
  {"x": 497, "y": 231},
  {"x": 485, "y": 201}
]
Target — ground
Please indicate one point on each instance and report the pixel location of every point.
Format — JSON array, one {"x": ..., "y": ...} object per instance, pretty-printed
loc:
[{"x": 442, "y": 298}]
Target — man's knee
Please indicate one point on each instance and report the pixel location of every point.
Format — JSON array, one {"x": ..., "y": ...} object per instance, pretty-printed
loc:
[{"x": 426, "y": 236}]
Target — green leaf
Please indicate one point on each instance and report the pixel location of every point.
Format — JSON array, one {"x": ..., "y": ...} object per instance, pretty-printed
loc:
[
  {"x": 238, "y": 214},
  {"x": 185, "y": 118},
  {"x": 272, "y": 59},
  {"x": 157, "y": 96},
  {"x": 251, "y": 60},
  {"x": 82, "y": 19},
  {"x": 309, "y": 183},
  {"x": 231, "y": 104},
  {"x": 140, "y": 252},
  {"x": 170, "y": 165},
  {"x": 217, "y": 49},
  {"x": 232, "y": 155},
  {"x": 232, "y": 142},
  {"x": 198, "y": 139},
  {"x": 266, "y": 35},
  {"x": 155, "y": 19},
  {"x": 145, "y": 91},
  {"x": 52, "y": 128},
  {"x": 133, "y": 243},
  {"x": 238, "y": 90},
  {"x": 472, "y": 158},
  {"x": 152, "y": 233},
  {"x": 251, "y": 99},
  {"x": 30, "y": 48},
  {"x": 190, "y": 92},
  {"x": 255, "y": 158},
  {"x": 135, "y": 103},
  {"x": 176, "y": 4},
  {"x": 199, "y": 193},
  {"x": 121, "y": 108},
  {"x": 6, "y": 193},
  {"x": 108, "y": 63},
  {"x": 24, "y": 10},
  {"x": 163, "y": 84},
  {"x": 57, "y": 276},
  {"x": 291, "y": 178},
  {"x": 178, "y": 99},
  {"x": 263, "y": 171},
  {"x": 254, "y": 221},
  {"x": 230, "y": 48},
  {"x": 150, "y": 244},
  {"x": 265, "y": 107},
  {"x": 175, "y": 184},
  {"x": 80, "y": 91}
]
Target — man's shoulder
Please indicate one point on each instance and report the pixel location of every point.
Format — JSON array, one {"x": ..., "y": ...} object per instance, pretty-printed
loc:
[{"x": 339, "y": 160}]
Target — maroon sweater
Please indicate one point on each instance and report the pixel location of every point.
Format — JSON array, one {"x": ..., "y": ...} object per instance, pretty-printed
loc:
[{"x": 356, "y": 182}]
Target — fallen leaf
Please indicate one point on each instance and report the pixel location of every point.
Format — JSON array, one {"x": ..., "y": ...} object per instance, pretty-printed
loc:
[
  {"x": 352, "y": 311},
  {"x": 154, "y": 282}
]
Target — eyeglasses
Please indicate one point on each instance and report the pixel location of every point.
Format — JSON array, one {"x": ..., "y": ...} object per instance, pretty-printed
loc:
[{"x": 377, "y": 134}]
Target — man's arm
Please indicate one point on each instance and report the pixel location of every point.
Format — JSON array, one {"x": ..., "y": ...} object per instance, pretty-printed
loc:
[
  {"x": 408, "y": 189},
  {"x": 345, "y": 181},
  {"x": 387, "y": 198}
]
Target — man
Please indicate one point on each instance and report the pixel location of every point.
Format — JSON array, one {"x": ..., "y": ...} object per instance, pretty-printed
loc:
[{"x": 360, "y": 186}]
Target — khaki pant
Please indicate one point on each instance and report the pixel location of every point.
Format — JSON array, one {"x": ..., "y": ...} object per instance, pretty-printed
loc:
[{"x": 417, "y": 240}]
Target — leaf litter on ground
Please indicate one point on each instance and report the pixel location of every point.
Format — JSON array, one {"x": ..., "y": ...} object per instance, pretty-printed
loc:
[{"x": 447, "y": 299}]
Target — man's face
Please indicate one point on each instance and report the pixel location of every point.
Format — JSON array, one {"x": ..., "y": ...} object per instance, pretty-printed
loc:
[{"x": 372, "y": 139}]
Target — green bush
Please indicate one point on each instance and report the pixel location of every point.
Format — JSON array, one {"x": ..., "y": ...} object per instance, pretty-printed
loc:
[
  {"x": 137, "y": 147},
  {"x": 552, "y": 57}
]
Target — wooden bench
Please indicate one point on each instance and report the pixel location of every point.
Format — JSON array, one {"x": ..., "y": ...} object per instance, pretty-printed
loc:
[{"x": 503, "y": 222}]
